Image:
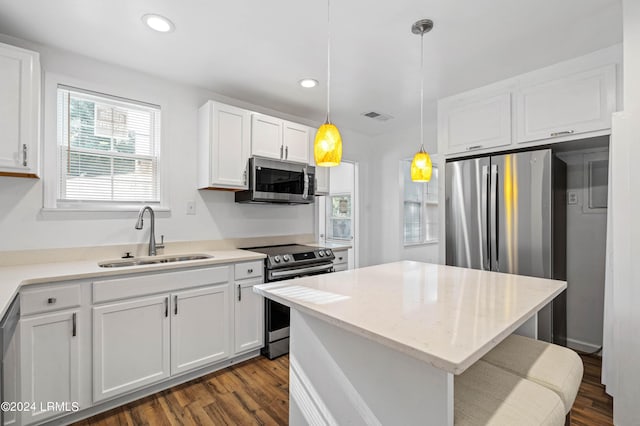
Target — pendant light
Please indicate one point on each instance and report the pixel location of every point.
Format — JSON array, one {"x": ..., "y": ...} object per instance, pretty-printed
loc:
[
  {"x": 327, "y": 148},
  {"x": 421, "y": 165}
]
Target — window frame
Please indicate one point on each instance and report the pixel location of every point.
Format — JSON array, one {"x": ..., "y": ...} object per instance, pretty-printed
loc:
[
  {"x": 423, "y": 210},
  {"x": 51, "y": 152}
]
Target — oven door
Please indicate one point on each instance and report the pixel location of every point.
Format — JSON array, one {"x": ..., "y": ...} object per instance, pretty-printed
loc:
[
  {"x": 302, "y": 271},
  {"x": 281, "y": 181}
]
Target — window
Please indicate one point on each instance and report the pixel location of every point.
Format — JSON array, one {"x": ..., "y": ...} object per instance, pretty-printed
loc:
[
  {"x": 339, "y": 217},
  {"x": 420, "y": 207},
  {"x": 108, "y": 151}
]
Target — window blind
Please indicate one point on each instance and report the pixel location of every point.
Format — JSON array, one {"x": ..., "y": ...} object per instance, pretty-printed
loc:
[{"x": 109, "y": 149}]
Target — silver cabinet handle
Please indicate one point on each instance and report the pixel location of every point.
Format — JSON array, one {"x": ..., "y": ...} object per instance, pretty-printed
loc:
[
  {"x": 564, "y": 133},
  {"x": 51, "y": 300},
  {"x": 73, "y": 324},
  {"x": 175, "y": 305},
  {"x": 286, "y": 152},
  {"x": 24, "y": 154},
  {"x": 244, "y": 177},
  {"x": 239, "y": 293},
  {"x": 473, "y": 147},
  {"x": 166, "y": 307},
  {"x": 281, "y": 147}
]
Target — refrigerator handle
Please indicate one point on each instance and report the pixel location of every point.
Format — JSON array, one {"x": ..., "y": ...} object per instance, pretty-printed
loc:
[
  {"x": 486, "y": 243},
  {"x": 494, "y": 224}
]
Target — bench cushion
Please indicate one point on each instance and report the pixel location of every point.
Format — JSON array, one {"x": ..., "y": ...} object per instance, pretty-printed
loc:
[
  {"x": 488, "y": 395},
  {"x": 555, "y": 367}
]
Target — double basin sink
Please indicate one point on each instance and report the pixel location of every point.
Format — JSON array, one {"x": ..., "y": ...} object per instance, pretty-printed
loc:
[{"x": 152, "y": 260}]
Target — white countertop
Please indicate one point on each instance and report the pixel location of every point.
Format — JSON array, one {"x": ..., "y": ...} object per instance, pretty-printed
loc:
[
  {"x": 449, "y": 317},
  {"x": 13, "y": 277},
  {"x": 331, "y": 245}
]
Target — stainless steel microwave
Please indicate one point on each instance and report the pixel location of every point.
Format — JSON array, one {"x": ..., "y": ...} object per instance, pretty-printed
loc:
[{"x": 278, "y": 181}]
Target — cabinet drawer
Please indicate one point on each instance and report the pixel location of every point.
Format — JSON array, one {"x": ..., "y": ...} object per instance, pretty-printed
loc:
[
  {"x": 341, "y": 257},
  {"x": 49, "y": 299},
  {"x": 249, "y": 270},
  {"x": 340, "y": 268}
]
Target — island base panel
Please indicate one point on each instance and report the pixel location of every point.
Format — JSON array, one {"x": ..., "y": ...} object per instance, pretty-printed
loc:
[{"x": 337, "y": 377}]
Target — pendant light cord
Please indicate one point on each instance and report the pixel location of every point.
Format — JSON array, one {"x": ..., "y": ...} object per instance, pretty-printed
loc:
[
  {"x": 328, "y": 61},
  {"x": 422, "y": 92}
]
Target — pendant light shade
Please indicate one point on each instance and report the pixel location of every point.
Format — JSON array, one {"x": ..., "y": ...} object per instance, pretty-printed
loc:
[
  {"x": 421, "y": 166},
  {"x": 327, "y": 147}
]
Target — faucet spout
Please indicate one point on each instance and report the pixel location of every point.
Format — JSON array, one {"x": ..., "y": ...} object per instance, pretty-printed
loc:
[{"x": 152, "y": 234}]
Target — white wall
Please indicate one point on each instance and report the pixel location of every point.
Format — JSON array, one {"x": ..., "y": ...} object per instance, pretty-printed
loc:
[
  {"x": 621, "y": 372},
  {"x": 586, "y": 247},
  {"x": 24, "y": 226},
  {"x": 387, "y": 197}
]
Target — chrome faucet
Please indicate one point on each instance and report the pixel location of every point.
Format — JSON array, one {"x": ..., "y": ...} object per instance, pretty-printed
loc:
[{"x": 152, "y": 234}]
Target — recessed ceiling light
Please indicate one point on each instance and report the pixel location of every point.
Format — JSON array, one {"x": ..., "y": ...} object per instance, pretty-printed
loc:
[
  {"x": 308, "y": 83},
  {"x": 158, "y": 23}
]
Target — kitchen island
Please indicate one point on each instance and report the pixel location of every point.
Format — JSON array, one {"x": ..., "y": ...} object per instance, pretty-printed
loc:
[{"x": 381, "y": 345}]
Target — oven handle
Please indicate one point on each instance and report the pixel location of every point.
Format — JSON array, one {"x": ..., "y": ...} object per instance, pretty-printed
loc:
[{"x": 295, "y": 272}]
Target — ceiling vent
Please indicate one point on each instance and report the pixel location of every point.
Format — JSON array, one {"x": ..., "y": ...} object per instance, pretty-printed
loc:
[{"x": 377, "y": 116}]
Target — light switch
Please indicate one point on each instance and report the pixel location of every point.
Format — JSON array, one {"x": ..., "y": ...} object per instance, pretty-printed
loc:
[
  {"x": 191, "y": 207},
  {"x": 572, "y": 197}
]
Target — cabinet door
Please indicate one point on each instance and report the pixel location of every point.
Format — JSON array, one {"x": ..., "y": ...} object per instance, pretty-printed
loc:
[
  {"x": 322, "y": 173},
  {"x": 130, "y": 345},
  {"x": 10, "y": 377},
  {"x": 200, "y": 327},
  {"x": 296, "y": 142},
  {"x": 50, "y": 363},
  {"x": 19, "y": 110},
  {"x": 565, "y": 107},
  {"x": 224, "y": 145},
  {"x": 249, "y": 316},
  {"x": 474, "y": 124},
  {"x": 266, "y": 136}
]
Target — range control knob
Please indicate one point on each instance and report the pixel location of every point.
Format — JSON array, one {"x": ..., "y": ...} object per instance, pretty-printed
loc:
[
  {"x": 320, "y": 253},
  {"x": 276, "y": 259},
  {"x": 286, "y": 258},
  {"x": 328, "y": 252}
]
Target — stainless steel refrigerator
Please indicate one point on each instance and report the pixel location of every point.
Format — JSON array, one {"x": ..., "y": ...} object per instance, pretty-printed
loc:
[{"x": 507, "y": 213}]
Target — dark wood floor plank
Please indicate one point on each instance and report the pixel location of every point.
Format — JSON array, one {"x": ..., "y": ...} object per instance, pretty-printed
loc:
[{"x": 256, "y": 392}]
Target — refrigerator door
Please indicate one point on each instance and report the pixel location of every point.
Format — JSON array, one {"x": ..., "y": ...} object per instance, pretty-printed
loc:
[
  {"x": 467, "y": 187},
  {"x": 521, "y": 213}
]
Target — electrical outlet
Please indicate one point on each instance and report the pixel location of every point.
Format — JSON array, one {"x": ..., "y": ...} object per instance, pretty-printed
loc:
[
  {"x": 191, "y": 207},
  {"x": 572, "y": 198}
]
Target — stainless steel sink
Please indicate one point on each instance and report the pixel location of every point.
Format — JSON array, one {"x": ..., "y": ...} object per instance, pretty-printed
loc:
[{"x": 152, "y": 260}]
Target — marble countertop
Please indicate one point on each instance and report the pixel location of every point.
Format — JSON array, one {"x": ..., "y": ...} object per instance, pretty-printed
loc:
[
  {"x": 12, "y": 278},
  {"x": 449, "y": 317}
]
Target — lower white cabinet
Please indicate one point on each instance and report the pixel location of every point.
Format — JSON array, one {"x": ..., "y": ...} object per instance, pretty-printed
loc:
[
  {"x": 200, "y": 324},
  {"x": 341, "y": 261},
  {"x": 249, "y": 316},
  {"x": 130, "y": 345},
  {"x": 49, "y": 363},
  {"x": 10, "y": 378}
]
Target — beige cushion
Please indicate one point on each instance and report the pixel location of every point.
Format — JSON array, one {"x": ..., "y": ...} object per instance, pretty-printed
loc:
[
  {"x": 488, "y": 395},
  {"x": 555, "y": 367}
]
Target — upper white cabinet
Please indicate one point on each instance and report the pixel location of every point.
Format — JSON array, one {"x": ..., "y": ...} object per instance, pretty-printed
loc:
[
  {"x": 475, "y": 122},
  {"x": 19, "y": 111},
  {"x": 572, "y": 105},
  {"x": 280, "y": 139},
  {"x": 224, "y": 145}
]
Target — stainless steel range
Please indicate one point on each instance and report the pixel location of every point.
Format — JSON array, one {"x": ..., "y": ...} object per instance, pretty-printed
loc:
[{"x": 286, "y": 262}]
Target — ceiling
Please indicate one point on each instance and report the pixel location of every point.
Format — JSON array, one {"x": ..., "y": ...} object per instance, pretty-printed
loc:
[{"x": 256, "y": 51}]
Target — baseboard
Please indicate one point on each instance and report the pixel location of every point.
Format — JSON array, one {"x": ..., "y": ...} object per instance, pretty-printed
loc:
[{"x": 581, "y": 346}]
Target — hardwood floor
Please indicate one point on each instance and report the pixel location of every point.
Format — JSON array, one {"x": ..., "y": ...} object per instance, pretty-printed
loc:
[{"x": 256, "y": 392}]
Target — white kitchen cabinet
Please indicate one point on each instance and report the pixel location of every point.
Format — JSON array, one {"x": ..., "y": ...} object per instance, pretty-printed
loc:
[
  {"x": 49, "y": 362},
  {"x": 295, "y": 139},
  {"x": 11, "y": 378},
  {"x": 322, "y": 173},
  {"x": 200, "y": 327},
  {"x": 224, "y": 145},
  {"x": 249, "y": 316},
  {"x": 272, "y": 137},
  {"x": 567, "y": 107},
  {"x": 131, "y": 346},
  {"x": 341, "y": 261},
  {"x": 19, "y": 112},
  {"x": 475, "y": 122}
]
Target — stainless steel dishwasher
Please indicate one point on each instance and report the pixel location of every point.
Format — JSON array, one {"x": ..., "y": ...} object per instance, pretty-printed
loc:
[{"x": 8, "y": 327}]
